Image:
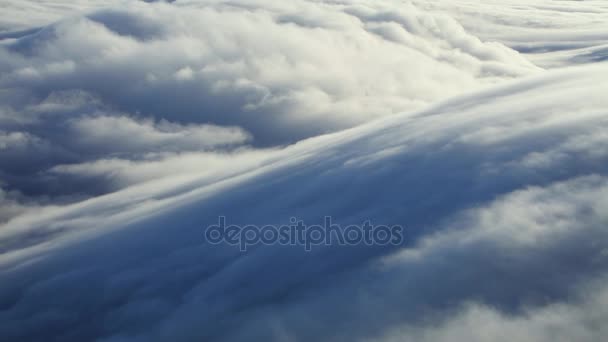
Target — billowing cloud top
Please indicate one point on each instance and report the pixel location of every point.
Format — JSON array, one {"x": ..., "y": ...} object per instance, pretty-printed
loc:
[{"x": 126, "y": 127}]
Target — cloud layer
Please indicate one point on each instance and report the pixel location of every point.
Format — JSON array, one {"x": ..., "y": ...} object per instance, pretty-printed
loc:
[
  {"x": 282, "y": 72},
  {"x": 551, "y": 34},
  {"x": 126, "y": 127},
  {"x": 503, "y": 192},
  {"x": 137, "y": 81}
]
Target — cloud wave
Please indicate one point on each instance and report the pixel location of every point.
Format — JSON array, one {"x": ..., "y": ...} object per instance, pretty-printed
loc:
[
  {"x": 126, "y": 127},
  {"x": 497, "y": 217}
]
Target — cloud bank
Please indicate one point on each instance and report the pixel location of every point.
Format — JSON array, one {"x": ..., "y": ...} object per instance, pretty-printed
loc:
[
  {"x": 550, "y": 33},
  {"x": 126, "y": 127},
  {"x": 116, "y": 83},
  {"x": 281, "y": 72},
  {"x": 517, "y": 229}
]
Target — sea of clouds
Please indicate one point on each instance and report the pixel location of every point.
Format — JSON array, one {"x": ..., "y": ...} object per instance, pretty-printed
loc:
[{"x": 126, "y": 127}]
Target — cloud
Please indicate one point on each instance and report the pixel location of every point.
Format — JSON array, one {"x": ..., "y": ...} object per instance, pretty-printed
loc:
[
  {"x": 70, "y": 128},
  {"x": 508, "y": 264},
  {"x": 18, "y": 16},
  {"x": 89, "y": 83},
  {"x": 126, "y": 127},
  {"x": 484, "y": 229},
  {"x": 14, "y": 140},
  {"x": 550, "y": 34},
  {"x": 557, "y": 322},
  {"x": 257, "y": 66},
  {"x": 11, "y": 205},
  {"x": 126, "y": 134}
]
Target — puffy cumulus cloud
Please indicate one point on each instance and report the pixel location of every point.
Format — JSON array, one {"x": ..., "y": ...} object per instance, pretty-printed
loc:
[
  {"x": 86, "y": 86},
  {"x": 282, "y": 71},
  {"x": 489, "y": 235}
]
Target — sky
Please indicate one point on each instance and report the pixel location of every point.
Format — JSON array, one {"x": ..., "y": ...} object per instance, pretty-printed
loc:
[{"x": 127, "y": 127}]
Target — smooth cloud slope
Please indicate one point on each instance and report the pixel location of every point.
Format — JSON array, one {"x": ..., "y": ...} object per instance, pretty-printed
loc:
[{"x": 128, "y": 130}]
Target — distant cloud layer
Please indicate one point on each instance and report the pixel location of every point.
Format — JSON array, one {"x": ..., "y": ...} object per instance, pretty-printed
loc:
[
  {"x": 551, "y": 33},
  {"x": 126, "y": 127}
]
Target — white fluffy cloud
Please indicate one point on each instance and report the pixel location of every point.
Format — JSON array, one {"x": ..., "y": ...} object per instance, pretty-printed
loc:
[
  {"x": 282, "y": 72},
  {"x": 131, "y": 80},
  {"x": 126, "y": 127}
]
